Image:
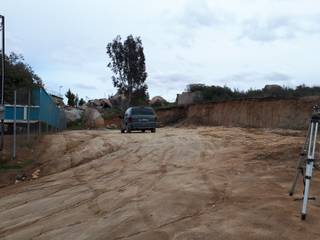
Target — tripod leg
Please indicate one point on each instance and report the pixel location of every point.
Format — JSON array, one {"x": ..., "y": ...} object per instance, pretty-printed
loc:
[
  {"x": 309, "y": 167},
  {"x": 299, "y": 168},
  {"x": 296, "y": 178},
  {"x": 306, "y": 192}
]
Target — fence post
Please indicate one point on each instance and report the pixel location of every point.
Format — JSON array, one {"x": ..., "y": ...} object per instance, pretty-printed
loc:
[
  {"x": 14, "y": 124},
  {"x": 28, "y": 117},
  {"x": 39, "y": 122},
  {"x": 2, "y": 79}
]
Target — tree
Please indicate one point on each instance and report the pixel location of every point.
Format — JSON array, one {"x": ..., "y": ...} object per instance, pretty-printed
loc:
[
  {"x": 18, "y": 74},
  {"x": 127, "y": 62},
  {"x": 76, "y": 101},
  {"x": 81, "y": 102},
  {"x": 71, "y": 98}
]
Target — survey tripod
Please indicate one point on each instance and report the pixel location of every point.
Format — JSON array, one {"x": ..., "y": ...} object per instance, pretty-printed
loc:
[{"x": 307, "y": 160}]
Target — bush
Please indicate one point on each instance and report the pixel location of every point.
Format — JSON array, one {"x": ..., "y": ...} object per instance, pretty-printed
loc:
[
  {"x": 217, "y": 93},
  {"x": 77, "y": 124},
  {"x": 110, "y": 113}
]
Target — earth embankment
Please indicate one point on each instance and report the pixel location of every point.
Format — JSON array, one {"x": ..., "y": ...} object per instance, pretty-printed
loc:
[{"x": 257, "y": 113}]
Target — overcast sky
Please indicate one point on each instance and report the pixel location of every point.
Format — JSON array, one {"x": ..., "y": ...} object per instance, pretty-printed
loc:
[{"x": 242, "y": 43}]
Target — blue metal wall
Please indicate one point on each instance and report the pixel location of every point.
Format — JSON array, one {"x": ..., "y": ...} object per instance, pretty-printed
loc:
[
  {"x": 44, "y": 109},
  {"x": 48, "y": 112},
  {"x": 21, "y": 113}
]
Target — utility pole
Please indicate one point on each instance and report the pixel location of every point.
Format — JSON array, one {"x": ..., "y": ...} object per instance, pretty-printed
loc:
[
  {"x": 2, "y": 81},
  {"x": 60, "y": 87}
]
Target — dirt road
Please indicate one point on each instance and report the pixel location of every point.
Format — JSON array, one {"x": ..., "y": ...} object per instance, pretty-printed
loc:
[{"x": 182, "y": 184}]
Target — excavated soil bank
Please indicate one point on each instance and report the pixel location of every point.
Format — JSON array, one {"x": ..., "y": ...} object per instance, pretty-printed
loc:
[{"x": 260, "y": 113}]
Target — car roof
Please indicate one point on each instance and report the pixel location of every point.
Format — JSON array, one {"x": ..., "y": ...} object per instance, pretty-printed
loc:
[
  {"x": 137, "y": 107},
  {"x": 141, "y": 107}
]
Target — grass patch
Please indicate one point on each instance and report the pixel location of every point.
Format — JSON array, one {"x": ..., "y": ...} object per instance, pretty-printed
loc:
[
  {"x": 76, "y": 125},
  {"x": 6, "y": 166},
  {"x": 110, "y": 113},
  {"x": 15, "y": 166},
  {"x": 26, "y": 162}
]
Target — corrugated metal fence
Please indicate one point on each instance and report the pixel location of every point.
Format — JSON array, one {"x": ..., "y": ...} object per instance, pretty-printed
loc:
[{"x": 28, "y": 114}]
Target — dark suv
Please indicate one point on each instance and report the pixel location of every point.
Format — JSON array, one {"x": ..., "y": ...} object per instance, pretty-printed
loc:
[{"x": 139, "y": 118}]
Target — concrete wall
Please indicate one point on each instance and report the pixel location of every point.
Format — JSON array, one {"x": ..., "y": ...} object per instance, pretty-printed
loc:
[{"x": 187, "y": 98}]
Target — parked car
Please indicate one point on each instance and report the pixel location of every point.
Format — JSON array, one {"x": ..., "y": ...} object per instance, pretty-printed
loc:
[{"x": 139, "y": 118}]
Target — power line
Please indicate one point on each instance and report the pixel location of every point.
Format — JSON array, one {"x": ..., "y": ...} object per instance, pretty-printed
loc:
[{"x": 2, "y": 80}]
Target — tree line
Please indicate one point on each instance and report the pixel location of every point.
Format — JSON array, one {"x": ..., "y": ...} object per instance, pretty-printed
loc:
[
  {"x": 127, "y": 62},
  {"x": 73, "y": 99},
  {"x": 18, "y": 75},
  {"x": 218, "y": 93}
]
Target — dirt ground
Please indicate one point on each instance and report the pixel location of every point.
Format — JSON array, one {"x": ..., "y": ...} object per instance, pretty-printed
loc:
[{"x": 179, "y": 183}]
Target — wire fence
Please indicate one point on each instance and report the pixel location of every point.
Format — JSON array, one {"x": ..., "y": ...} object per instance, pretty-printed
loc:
[{"x": 29, "y": 114}]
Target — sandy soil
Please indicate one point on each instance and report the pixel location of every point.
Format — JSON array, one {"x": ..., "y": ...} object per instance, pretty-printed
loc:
[{"x": 182, "y": 184}]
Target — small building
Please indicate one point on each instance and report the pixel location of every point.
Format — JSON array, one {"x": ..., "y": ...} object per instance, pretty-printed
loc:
[
  {"x": 187, "y": 98},
  {"x": 57, "y": 99}
]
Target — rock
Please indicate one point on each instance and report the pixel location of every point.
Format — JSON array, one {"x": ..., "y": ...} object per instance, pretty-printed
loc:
[
  {"x": 73, "y": 114},
  {"x": 114, "y": 122},
  {"x": 93, "y": 118},
  {"x": 118, "y": 100},
  {"x": 101, "y": 103},
  {"x": 112, "y": 126},
  {"x": 20, "y": 178},
  {"x": 158, "y": 101},
  {"x": 35, "y": 174}
]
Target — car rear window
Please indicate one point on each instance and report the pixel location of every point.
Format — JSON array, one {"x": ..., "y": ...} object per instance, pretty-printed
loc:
[{"x": 142, "y": 111}]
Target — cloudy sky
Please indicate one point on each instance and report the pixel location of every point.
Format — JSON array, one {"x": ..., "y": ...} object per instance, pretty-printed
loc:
[{"x": 239, "y": 43}]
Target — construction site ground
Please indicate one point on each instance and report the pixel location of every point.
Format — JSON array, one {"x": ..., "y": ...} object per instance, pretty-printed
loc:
[{"x": 195, "y": 183}]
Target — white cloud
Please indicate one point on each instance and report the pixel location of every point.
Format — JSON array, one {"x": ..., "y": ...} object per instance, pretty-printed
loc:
[
  {"x": 85, "y": 86},
  {"x": 241, "y": 43},
  {"x": 277, "y": 28}
]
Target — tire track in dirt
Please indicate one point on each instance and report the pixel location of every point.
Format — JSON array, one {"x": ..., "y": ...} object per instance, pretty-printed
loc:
[
  {"x": 167, "y": 154},
  {"x": 13, "y": 229},
  {"x": 170, "y": 185},
  {"x": 96, "y": 192},
  {"x": 145, "y": 190}
]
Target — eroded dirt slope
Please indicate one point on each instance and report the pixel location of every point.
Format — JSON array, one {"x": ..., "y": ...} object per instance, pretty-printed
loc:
[
  {"x": 201, "y": 183},
  {"x": 257, "y": 113}
]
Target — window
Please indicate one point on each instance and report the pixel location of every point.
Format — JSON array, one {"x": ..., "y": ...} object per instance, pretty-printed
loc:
[{"x": 142, "y": 111}]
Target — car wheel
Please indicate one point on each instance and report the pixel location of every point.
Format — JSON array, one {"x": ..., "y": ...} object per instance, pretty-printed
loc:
[
  {"x": 153, "y": 130},
  {"x": 143, "y": 131},
  {"x": 122, "y": 130}
]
